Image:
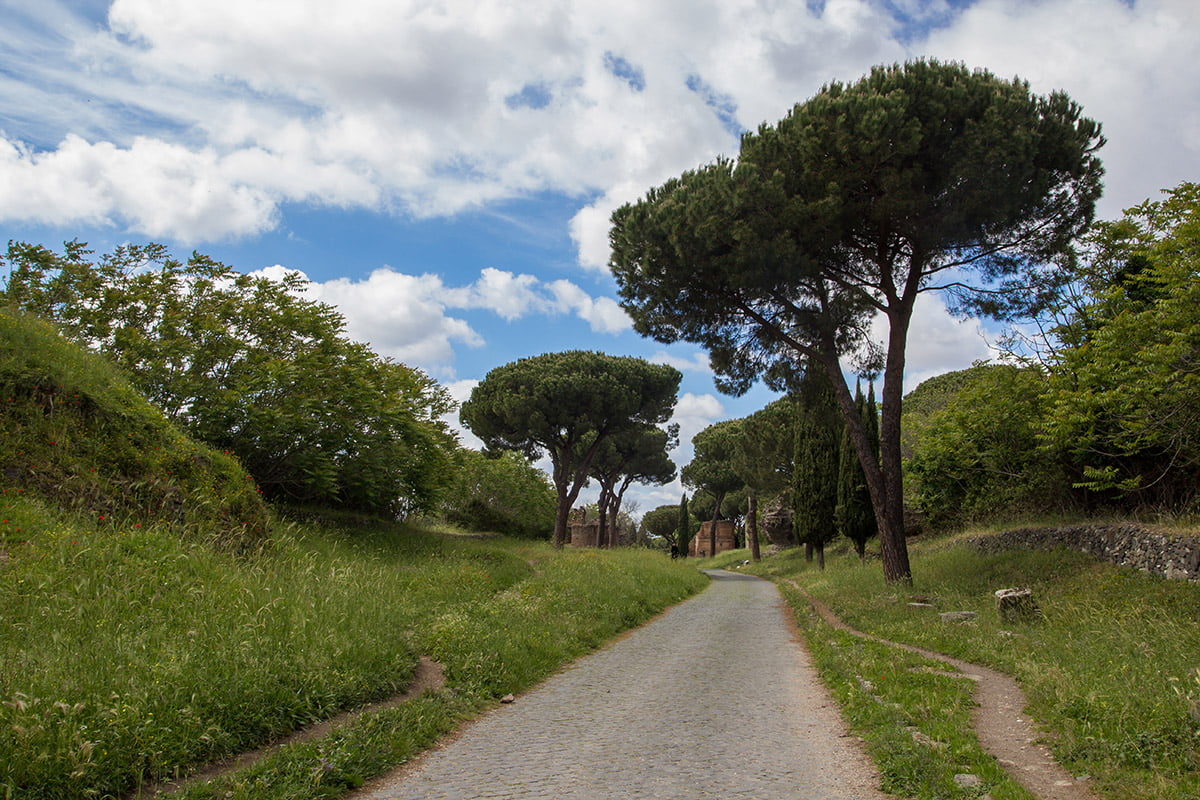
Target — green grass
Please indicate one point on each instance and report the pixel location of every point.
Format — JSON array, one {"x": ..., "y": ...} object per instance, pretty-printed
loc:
[
  {"x": 1110, "y": 668},
  {"x": 77, "y": 435},
  {"x": 129, "y": 655}
]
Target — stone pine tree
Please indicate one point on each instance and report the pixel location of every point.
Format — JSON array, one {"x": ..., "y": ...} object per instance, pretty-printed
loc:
[
  {"x": 855, "y": 514},
  {"x": 818, "y": 433},
  {"x": 567, "y": 405},
  {"x": 762, "y": 459},
  {"x": 919, "y": 177},
  {"x": 711, "y": 469},
  {"x": 635, "y": 455}
]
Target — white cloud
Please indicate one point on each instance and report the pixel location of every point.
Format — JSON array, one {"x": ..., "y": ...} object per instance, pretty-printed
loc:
[
  {"x": 696, "y": 362},
  {"x": 407, "y": 317},
  {"x": 199, "y": 121},
  {"x": 603, "y": 314},
  {"x": 1131, "y": 66},
  {"x": 511, "y": 296},
  {"x": 152, "y": 186},
  {"x": 401, "y": 316},
  {"x": 694, "y": 412},
  {"x": 937, "y": 341}
]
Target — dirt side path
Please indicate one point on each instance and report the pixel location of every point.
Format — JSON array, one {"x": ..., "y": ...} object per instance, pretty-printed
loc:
[
  {"x": 713, "y": 699},
  {"x": 1003, "y": 728}
]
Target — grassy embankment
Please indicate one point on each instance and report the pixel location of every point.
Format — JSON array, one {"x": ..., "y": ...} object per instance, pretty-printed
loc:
[
  {"x": 1111, "y": 669},
  {"x": 126, "y": 655},
  {"x": 154, "y": 618}
]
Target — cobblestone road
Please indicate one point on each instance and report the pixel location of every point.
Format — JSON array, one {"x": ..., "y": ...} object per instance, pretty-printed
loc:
[{"x": 714, "y": 699}]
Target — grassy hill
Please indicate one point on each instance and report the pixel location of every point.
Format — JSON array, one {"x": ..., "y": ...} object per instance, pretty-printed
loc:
[{"x": 78, "y": 437}]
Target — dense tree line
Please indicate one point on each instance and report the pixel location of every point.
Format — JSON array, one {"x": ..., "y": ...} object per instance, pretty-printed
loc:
[
  {"x": 1100, "y": 410},
  {"x": 795, "y": 453}
]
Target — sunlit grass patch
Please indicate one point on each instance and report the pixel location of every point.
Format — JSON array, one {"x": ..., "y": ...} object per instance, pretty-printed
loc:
[
  {"x": 130, "y": 655},
  {"x": 1107, "y": 665}
]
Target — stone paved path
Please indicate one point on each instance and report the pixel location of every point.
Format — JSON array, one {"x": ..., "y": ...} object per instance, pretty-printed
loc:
[{"x": 714, "y": 699}]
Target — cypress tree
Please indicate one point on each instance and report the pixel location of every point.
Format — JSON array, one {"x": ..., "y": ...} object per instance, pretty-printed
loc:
[
  {"x": 683, "y": 536},
  {"x": 855, "y": 514},
  {"x": 818, "y": 436}
]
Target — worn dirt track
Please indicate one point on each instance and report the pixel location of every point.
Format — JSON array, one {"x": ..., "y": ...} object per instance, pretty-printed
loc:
[{"x": 1003, "y": 728}]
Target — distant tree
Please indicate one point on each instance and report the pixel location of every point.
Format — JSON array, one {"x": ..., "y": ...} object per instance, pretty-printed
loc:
[
  {"x": 249, "y": 366},
  {"x": 567, "y": 405},
  {"x": 815, "y": 465},
  {"x": 855, "y": 515},
  {"x": 919, "y": 177},
  {"x": 685, "y": 527},
  {"x": 711, "y": 468},
  {"x": 762, "y": 458},
  {"x": 501, "y": 492},
  {"x": 637, "y": 455},
  {"x": 662, "y": 523}
]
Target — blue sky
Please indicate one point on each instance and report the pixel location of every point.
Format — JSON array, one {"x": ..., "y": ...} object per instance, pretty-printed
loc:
[{"x": 444, "y": 171}]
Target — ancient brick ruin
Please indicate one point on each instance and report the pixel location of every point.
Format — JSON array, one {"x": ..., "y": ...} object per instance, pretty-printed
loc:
[{"x": 702, "y": 541}]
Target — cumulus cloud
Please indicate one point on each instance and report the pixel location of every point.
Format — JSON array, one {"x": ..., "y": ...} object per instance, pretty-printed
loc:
[
  {"x": 695, "y": 362},
  {"x": 603, "y": 314},
  {"x": 201, "y": 121},
  {"x": 423, "y": 109},
  {"x": 1131, "y": 66},
  {"x": 408, "y": 317}
]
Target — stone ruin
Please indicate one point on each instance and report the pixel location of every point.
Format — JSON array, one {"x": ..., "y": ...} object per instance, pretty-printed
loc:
[
  {"x": 775, "y": 523},
  {"x": 702, "y": 541}
]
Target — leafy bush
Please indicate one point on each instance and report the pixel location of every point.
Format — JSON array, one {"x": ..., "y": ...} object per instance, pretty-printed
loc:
[
  {"x": 978, "y": 454},
  {"x": 501, "y": 494},
  {"x": 247, "y": 364}
]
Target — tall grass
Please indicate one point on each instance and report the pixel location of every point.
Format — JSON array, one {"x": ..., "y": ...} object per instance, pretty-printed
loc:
[
  {"x": 129, "y": 655},
  {"x": 1109, "y": 667}
]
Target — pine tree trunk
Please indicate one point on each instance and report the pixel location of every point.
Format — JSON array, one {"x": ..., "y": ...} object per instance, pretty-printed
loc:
[{"x": 886, "y": 497}]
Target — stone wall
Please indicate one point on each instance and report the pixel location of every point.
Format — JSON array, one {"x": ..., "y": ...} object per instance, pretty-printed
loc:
[
  {"x": 585, "y": 534},
  {"x": 1128, "y": 545}
]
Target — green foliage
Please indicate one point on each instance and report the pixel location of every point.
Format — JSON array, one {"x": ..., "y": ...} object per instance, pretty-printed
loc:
[
  {"x": 634, "y": 455},
  {"x": 1124, "y": 394},
  {"x": 764, "y": 448},
  {"x": 77, "y": 435},
  {"x": 247, "y": 365},
  {"x": 848, "y": 207},
  {"x": 130, "y": 655},
  {"x": 566, "y": 405},
  {"x": 684, "y": 526},
  {"x": 503, "y": 493},
  {"x": 855, "y": 514},
  {"x": 818, "y": 434},
  {"x": 979, "y": 456},
  {"x": 663, "y": 523},
  {"x": 711, "y": 468}
]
